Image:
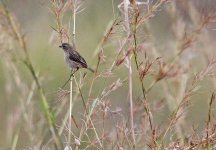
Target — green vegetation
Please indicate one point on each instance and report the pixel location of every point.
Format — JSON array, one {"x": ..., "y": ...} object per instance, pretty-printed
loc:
[{"x": 154, "y": 84}]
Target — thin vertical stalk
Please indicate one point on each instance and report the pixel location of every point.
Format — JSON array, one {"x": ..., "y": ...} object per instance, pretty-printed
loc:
[
  {"x": 74, "y": 20},
  {"x": 70, "y": 108},
  {"x": 209, "y": 120},
  {"x": 127, "y": 24},
  {"x": 134, "y": 29},
  {"x": 71, "y": 78},
  {"x": 113, "y": 9},
  {"x": 14, "y": 144},
  {"x": 131, "y": 100},
  {"x": 83, "y": 101}
]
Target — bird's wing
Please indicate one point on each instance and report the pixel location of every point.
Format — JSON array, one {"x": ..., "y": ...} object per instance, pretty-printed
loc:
[{"x": 75, "y": 56}]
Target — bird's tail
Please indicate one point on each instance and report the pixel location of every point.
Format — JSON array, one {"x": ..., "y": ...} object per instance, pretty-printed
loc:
[{"x": 92, "y": 70}]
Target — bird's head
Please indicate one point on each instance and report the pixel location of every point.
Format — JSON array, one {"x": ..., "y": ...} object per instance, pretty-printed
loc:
[{"x": 65, "y": 46}]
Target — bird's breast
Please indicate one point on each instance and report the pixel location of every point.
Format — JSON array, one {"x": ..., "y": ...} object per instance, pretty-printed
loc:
[{"x": 66, "y": 58}]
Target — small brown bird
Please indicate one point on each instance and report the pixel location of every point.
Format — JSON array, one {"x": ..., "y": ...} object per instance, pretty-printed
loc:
[{"x": 73, "y": 58}]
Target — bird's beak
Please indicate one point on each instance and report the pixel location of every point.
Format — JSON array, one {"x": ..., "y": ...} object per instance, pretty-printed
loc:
[{"x": 60, "y": 46}]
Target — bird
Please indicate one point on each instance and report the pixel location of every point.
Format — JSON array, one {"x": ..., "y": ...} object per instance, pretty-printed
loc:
[{"x": 73, "y": 59}]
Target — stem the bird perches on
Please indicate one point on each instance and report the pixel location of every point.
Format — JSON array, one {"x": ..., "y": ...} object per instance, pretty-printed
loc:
[
  {"x": 70, "y": 107},
  {"x": 71, "y": 78}
]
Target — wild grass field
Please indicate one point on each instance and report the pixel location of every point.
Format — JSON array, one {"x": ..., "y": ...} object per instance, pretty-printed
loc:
[{"x": 153, "y": 86}]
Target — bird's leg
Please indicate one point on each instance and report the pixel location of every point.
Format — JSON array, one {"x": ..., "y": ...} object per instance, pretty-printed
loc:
[
  {"x": 71, "y": 75},
  {"x": 73, "y": 72}
]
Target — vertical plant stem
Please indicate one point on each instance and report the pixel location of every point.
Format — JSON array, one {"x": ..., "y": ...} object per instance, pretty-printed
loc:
[
  {"x": 70, "y": 108},
  {"x": 127, "y": 24},
  {"x": 209, "y": 119},
  {"x": 74, "y": 19},
  {"x": 131, "y": 101},
  {"x": 14, "y": 144},
  {"x": 71, "y": 79},
  {"x": 113, "y": 9},
  {"x": 50, "y": 120},
  {"x": 134, "y": 28},
  {"x": 135, "y": 20},
  {"x": 83, "y": 101}
]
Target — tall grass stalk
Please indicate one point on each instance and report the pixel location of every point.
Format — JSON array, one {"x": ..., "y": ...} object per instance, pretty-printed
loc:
[{"x": 48, "y": 114}]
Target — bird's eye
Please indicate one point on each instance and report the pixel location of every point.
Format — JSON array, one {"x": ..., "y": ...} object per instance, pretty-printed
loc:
[{"x": 64, "y": 46}]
